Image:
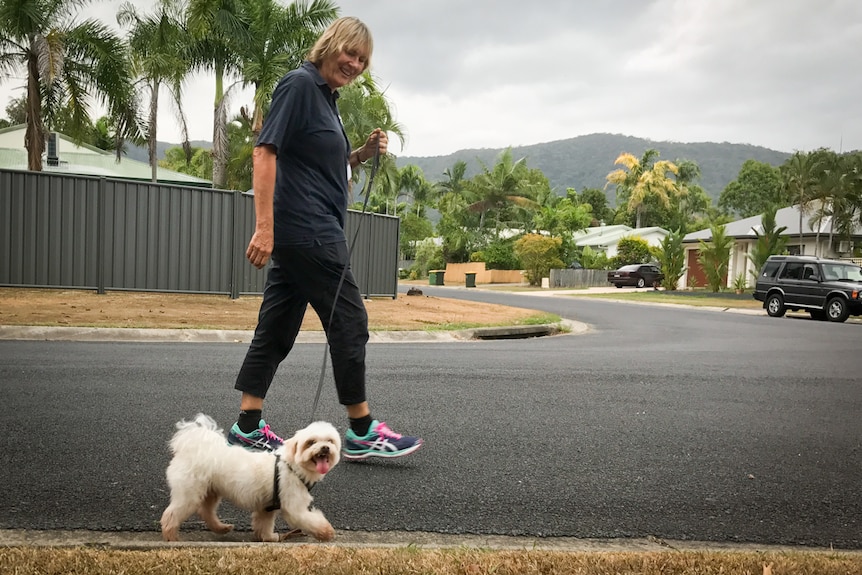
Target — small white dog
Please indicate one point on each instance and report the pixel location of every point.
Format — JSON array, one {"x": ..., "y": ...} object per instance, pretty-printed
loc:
[{"x": 205, "y": 469}]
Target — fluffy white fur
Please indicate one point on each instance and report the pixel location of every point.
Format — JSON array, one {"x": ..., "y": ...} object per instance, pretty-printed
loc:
[{"x": 205, "y": 469}]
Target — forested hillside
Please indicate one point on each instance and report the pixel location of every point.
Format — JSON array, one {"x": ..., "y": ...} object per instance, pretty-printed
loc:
[{"x": 583, "y": 162}]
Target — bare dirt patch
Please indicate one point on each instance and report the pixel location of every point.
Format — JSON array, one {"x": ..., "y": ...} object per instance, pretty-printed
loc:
[{"x": 52, "y": 307}]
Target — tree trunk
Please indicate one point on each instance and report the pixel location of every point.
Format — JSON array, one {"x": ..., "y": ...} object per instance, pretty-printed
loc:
[
  {"x": 152, "y": 132},
  {"x": 34, "y": 137}
]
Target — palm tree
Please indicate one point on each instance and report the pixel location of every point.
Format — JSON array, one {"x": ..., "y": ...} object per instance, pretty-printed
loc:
[
  {"x": 642, "y": 180},
  {"x": 453, "y": 182},
  {"x": 799, "y": 178},
  {"x": 363, "y": 108},
  {"x": 412, "y": 183},
  {"x": 278, "y": 40},
  {"x": 715, "y": 257},
  {"x": 65, "y": 63},
  {"x": 157, "y": 44},
  {"x": 769, "y": 241},
  {"x": 219, "y": 31},
  {"x": 506, "y": 184}
]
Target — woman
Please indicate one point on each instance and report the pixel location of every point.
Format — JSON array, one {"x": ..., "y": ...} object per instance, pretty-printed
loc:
[{"x": 302, "y": 162}]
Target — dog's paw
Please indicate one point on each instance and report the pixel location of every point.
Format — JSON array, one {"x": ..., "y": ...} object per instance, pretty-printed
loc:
[
  {"x": 325, "y": 533},
  {"x": 222, "y": 528}
]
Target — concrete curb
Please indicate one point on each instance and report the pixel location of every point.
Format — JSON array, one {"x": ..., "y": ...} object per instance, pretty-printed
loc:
[
  {"x": 147, "y": 540},
  {"x": 95, "y": 334}
]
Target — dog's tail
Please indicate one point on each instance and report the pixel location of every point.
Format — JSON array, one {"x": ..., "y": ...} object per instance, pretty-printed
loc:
[{"x": 199, "y": 433}]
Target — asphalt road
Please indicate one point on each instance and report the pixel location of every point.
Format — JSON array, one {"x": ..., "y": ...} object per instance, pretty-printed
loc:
[{"x": 658, "y": 422}]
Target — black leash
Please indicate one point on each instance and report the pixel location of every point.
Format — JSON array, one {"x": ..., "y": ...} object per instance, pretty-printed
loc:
[{"x": 368, "y": 184}]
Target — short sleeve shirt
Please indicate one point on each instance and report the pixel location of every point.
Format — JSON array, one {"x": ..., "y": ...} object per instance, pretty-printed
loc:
[{"x": 311, "y": 181}]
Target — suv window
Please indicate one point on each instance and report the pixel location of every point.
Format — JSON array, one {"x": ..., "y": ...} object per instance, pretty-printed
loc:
[
  {"x": 769, "y": 269},
  {"x": 792, "y": 271},
  {"x": 832, "y": 272},
  {"x": 810, "y": 272}
]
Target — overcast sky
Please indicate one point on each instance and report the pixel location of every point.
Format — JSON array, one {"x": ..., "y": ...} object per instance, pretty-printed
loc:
[{"x": 784, "y": 74}]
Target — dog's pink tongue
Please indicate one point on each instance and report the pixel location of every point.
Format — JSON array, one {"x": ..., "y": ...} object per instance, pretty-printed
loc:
[{"x": 322, "y": 465}]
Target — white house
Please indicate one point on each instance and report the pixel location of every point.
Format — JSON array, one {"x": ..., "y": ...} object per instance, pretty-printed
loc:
[
  {"x": 71, "y": 158},
  {"x": 817, "y": 239},
  {"x": 606, "y": 238}
]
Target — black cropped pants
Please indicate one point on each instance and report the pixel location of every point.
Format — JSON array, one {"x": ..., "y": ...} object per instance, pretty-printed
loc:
[{"x": 299, "y": 276}]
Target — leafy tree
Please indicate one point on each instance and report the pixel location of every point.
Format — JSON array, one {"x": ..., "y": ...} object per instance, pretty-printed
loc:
[
  {"x": 715, "y": 257},
  {"x": 157, "y": 42},
  {"x": 631, "y": 250},
  {"x": 16, "y": 110},
  {"x": 429, "y": 256},
  {"x": 413, "y": 230},
  {"x": 597, "y": 200},
  {"x": 769, "y": 241},
  {"x": 757, "y": 187},
  {"x": 498, "y": 254},
  {"x": 200, "y": 165},
  {"x": 671, "y": 258},
  {"x": 65, "y": 63},
  {"x": 538, "y": 255}
]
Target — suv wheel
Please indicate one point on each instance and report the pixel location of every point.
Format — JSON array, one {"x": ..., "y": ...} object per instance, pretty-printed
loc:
[
  {"x": 641, "y": 282},
  {"x": 775, "y": 305},
  {"x": 837, "y": 309}
]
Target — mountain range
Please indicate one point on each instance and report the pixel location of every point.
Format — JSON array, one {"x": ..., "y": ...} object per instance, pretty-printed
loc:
[{"x": 584, "y": 161}]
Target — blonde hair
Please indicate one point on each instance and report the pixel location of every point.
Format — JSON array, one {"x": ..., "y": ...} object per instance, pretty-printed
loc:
[{"x": 344, "y": 34}]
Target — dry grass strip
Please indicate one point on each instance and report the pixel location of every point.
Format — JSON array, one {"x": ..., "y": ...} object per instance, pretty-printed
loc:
[{"x": 328, "y": 560}]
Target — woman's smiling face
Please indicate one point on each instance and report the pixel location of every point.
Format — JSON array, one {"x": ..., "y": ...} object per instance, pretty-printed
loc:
[{"x": 342, "y": 68}]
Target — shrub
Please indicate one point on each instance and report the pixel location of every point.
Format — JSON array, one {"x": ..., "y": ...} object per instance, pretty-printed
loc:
[
  {"x": 498, "y": 255},
  {"x": 538, "y": 254},
  {"x": 631, "y": 250},
  {"x": 671, "y": 258}
]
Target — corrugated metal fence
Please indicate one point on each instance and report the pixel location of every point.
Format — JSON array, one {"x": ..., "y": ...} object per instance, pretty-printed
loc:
[
  {"x": 580, "y": 278},
  {"x": 68, "y": 231}
]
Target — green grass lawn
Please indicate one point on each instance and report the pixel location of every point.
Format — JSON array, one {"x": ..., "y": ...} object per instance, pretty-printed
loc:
[{"x": 694, "y": 298}]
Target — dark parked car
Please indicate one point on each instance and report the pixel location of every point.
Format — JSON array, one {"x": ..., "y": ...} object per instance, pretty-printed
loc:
[
  {"x": 827, "y": 289},
  {"x": 637, "y": 275}
]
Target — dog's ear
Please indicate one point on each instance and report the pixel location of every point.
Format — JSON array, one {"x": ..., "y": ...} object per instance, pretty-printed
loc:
[{"x": 291, "y": 446}]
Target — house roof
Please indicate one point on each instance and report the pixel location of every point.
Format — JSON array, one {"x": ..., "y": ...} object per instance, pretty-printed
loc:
[
  {"x": 610, "y": 235},
  {"x": 785, "y": 217},
  {"x": 87, "y": 160}
]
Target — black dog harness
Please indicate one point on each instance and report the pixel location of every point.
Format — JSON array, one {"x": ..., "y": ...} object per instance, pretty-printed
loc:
[{"x": 275, "y": 503}]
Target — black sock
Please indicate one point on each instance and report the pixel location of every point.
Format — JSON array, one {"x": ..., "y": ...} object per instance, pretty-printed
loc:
[
  {"x": 360, "y": 425},
  {"x": 249, "y": 420}
]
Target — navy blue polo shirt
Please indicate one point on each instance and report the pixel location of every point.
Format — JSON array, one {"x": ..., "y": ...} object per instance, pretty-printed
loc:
[{"x": 303, "y": 125}]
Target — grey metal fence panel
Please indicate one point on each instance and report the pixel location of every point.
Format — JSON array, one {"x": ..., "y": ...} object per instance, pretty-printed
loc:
[
  {"x": 579, "y": 278},
  {"x": 48, "y": 230},
  {"x": 96, "y": 233},
  {"x": 374, "y": 260}
]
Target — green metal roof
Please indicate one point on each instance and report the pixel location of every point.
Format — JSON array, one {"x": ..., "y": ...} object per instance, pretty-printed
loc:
[{"x": 96, "y": 162}]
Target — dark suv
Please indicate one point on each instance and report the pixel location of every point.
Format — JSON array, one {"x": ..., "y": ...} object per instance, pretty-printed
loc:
[{"x": 827, "y": 289}]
